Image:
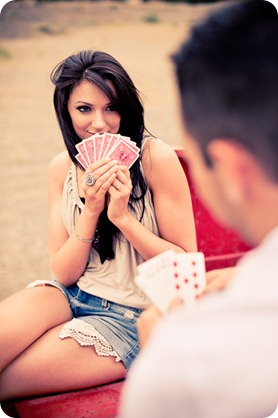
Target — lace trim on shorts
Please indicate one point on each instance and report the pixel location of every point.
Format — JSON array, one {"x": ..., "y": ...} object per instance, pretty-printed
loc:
[{"x": 86, "y": 335}]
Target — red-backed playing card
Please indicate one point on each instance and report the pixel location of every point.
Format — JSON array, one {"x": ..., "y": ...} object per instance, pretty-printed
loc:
[
  {"x": 98, "y": 146},
  {"x": 114, "y": 139},
  {"x": 106, "y": 140},
  {"x": 89, "y": 145},
  {"x": 82, "y": 150},
  {"x": 124, "y": 153},
  {"x": 115, "y": 146},
  {"x": 81, "y": 160}
]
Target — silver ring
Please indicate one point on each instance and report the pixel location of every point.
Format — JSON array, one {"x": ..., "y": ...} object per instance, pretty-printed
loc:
[
  {"x": 90, "y": 180},
  {"x": 118, "y": 186}
]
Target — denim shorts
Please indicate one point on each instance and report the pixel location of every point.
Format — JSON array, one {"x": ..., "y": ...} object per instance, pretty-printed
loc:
[{"x": 114, "y": 322}]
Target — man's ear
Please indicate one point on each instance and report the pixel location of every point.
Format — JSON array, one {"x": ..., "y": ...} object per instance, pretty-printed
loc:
[{"x": 234, "y": 166}]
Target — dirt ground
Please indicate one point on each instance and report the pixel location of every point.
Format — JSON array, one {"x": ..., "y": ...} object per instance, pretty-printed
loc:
[{"x": 34, "y": 37}]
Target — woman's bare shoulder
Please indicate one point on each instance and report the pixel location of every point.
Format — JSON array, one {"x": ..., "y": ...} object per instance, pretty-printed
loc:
[
  {"x": 59, "y": 167},
  {"x": 156, "y": 154}
]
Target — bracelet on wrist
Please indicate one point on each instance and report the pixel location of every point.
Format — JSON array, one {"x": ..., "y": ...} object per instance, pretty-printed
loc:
[{"x": 80, "y": 237}]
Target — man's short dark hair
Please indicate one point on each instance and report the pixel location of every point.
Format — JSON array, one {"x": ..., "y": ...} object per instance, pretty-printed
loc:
[{"x": 227, "y": 74}]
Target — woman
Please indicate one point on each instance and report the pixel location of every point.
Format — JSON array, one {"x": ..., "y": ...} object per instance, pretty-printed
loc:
[{"x": 79, "y": 330}]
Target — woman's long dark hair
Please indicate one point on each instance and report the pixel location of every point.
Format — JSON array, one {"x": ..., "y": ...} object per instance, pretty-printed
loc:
[{"x": 103, "y": 70}]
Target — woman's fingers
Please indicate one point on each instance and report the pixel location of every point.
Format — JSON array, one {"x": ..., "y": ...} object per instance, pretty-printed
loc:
[
  {"x": 123, "y": 180},
  {"x": 123, "y": 174},
  {"x": 99, "y": 176}
]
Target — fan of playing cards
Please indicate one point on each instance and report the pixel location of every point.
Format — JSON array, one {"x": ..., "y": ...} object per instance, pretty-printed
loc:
[
  {"x": 172, "y": 274},
  {"x": 99, "y": 146}
]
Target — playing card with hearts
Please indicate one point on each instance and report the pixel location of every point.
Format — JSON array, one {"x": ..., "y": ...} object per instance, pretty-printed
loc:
[
  {"x": 172, "y": 274},
  {"x": 99, "y": 146}
]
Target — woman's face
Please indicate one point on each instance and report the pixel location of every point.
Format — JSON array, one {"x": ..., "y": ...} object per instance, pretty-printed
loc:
[{"x": 91, "y": 111}]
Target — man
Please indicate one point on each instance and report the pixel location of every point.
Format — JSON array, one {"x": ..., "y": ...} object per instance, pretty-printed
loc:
[{"x": 221, "y": 360}]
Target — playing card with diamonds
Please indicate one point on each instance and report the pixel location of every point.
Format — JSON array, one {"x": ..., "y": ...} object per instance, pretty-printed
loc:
[{"x": 172, "y": 274}]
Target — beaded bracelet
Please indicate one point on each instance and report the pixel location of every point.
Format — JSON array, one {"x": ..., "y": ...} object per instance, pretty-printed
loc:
[{"x": 81, "y": 238}]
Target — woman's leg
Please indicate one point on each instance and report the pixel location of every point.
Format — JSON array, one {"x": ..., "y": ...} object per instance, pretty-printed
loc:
[
  {"x": 27, "y": 315},
  {"x": 51, "y": 365}
]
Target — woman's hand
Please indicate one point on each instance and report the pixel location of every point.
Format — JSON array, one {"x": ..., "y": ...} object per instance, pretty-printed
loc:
[
  {"x": 104, "y": 174},
  {"x": 118, "y": 196},
  {"x": 68, "y": 269}
]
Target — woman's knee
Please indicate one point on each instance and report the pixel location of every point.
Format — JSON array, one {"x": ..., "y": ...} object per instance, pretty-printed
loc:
[{"x": 27, "y": 315}]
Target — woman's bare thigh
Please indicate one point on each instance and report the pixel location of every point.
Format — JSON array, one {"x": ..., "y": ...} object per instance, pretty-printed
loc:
[
  {"x": 27, "y": 315},
  {"x": 54, "y": 365}
]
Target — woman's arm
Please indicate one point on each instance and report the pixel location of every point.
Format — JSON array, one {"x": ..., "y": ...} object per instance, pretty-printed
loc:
[
  {"x": 172, "y": 203},
  {"x": 68, "y": 254}
]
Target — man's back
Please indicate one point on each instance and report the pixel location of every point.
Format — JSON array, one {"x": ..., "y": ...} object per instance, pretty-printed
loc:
[{"x": 219, "y": 361}]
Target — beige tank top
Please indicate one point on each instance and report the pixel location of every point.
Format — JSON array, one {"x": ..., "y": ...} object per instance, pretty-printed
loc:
[{"x": 114, "y": 279}]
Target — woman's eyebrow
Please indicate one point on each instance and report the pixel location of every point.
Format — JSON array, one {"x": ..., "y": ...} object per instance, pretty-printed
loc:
[
  {"x": 86, "y": 103},
  {"x": 90, "y": 104}
]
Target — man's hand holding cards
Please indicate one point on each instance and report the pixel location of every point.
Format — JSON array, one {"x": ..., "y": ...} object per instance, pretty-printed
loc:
[
  {"x": 171, "y": 274},
  {"x": 99, "y": 146}
]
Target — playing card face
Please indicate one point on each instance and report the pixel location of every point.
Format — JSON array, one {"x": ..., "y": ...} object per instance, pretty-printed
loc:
[
  {"x": 189, "y": 278},
  {"x": 124, "y": 153},
  {"x": 172, "y": 274},
  {"x": 115, "y": 146},
  {"x": 156, "y": 288},
  {"x": 153, "y": 279},
  {"x": 156, "y": 264}
]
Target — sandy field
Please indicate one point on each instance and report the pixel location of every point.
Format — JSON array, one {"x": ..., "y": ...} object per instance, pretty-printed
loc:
[{"x": 34, "y": 37}]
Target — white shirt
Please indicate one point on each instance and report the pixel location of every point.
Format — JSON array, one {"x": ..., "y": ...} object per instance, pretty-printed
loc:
[{"x": 219, "y": 361}]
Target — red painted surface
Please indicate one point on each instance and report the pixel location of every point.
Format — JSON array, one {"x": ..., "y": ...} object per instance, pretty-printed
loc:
[
  {"x": 222, "y": 248},
  {"x": 99, "y": 402}
]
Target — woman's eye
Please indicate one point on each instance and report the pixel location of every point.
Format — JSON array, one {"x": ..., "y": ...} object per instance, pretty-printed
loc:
[
  {"x": 111, "y": 108},
  {"x": 84, "y": 109}
]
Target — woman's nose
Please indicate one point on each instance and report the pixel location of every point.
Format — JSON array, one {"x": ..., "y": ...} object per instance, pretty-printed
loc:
[{"x": 98, "y": 122}]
